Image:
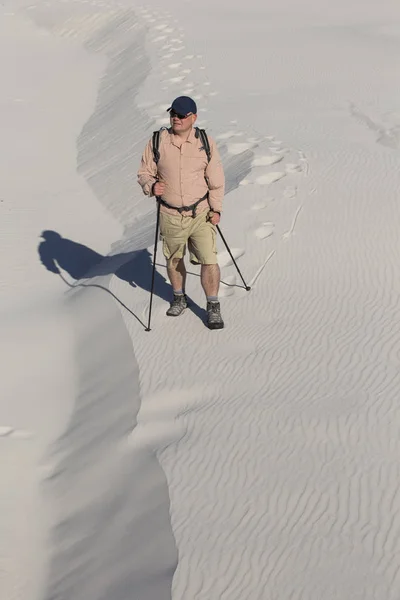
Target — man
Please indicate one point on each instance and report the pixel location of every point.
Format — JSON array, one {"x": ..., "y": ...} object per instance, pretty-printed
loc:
[{"x": 190, "y": 189}]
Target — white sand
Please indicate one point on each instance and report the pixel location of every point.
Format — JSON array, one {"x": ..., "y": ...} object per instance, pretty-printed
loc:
[{"x": 257, "y": 462}]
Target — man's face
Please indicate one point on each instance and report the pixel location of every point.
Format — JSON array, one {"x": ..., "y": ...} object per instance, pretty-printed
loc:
[{"x": 182, "y": 123}]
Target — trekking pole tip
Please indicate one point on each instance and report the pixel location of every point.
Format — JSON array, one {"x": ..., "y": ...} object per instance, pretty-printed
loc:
[
  {"x": 248, "y": 288},
  {"x": 147, "y": 329}
]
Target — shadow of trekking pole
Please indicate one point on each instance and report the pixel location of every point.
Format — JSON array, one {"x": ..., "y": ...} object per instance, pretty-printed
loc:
[{"x": 96, "y": 285}]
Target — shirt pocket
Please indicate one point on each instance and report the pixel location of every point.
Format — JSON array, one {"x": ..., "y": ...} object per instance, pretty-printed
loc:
[{"x": 195, "y": 166}]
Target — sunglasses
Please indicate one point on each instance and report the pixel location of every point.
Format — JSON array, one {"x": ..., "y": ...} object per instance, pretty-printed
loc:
[{"x": 178, "y": 115}]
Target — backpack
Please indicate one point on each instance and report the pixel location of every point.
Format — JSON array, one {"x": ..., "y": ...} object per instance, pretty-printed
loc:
[{"x": 198, "y": 133}]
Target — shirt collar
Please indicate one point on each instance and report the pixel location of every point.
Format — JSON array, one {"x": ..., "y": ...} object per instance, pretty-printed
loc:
[{"x": 175, "y": 140}]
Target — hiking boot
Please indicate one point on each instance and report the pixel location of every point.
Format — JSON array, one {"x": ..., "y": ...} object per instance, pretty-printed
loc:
[
  {"x": 178, "y": 305},
  {"x": 214, "y": 319}
]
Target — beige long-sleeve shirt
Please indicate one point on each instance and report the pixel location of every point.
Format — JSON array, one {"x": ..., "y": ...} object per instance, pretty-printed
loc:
[{"x": 184, "y": 169}]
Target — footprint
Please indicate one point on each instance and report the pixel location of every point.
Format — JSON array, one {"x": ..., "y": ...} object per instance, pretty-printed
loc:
[
  {"x": 21, "y": 434},
  {"x": 224, "y": 260},
  {"x": 292, "y": 168},
  {"x": 225, "y": 136},
  {"x": 261, "y": 205},
  {"x": 175, "y": 66},
  {"x": 279, "y": 150},
  {"x": 176, "y": 79},
  {"x": 265, "y": 231},
  {"x": 159, "y": 38},
  {"x": 5, "y": 431},
  {"x": 239, "y": 147},
  {"x": 188, "y": 56},
  {"x": 171, "y": 404},
  {"x": 16, "y": 434},
  {"x": 290, "y": 192},
  {"x": 269, "y": 178},
  {"x": 264, "y": 161},
  {"x": 156, "y": 436},
  {"x": 227, "y": 286}
]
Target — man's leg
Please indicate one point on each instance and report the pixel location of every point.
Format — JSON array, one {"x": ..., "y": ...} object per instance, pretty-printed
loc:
[
  {"x": 210, "y": 278},
  {"x": 174, "y": 231},
  {"x": 202, "y": 244},
  {"x": 177, "y": 274}
]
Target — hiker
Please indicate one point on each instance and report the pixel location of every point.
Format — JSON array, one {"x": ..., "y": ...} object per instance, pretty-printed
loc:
[{"x": 182, "y": 168}]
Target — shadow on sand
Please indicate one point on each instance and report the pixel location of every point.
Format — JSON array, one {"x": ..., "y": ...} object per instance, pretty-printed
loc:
[{"x": 81, "y": 262}]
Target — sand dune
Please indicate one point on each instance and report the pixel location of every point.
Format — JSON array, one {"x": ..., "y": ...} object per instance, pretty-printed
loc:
[{"x": 260, "y": 461}]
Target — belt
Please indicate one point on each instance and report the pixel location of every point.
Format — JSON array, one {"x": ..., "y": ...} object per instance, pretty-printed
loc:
[{"x": 182, "y": 209}]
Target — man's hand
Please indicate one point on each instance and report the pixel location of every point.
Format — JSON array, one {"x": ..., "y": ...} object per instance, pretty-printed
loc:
[
  {"x": 158, "y": 188},
  {"x": 214, "y": 217}
]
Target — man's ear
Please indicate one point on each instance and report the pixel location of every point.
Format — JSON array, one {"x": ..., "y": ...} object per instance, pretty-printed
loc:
[{"x": 194, "y": 119}]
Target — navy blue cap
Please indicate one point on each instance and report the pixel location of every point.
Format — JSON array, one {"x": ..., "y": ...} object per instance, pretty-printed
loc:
[{"x": 184, "y": 105}]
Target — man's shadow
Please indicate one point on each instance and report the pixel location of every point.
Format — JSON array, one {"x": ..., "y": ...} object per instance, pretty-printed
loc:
[{"x": 81, "y": 262}]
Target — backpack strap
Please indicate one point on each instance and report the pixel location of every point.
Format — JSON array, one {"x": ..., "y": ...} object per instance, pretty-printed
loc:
[
  {"x": 156, "y": 145},
  {"x": 204, "y": 141}
]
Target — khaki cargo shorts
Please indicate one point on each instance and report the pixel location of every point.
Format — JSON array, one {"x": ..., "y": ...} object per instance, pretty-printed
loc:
[{"x": 198, "y": 234}]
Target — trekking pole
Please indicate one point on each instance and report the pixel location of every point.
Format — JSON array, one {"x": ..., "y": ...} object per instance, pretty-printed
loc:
[
  {"x": 154, "y": 263},
  {"x": 246, "y": 287}
]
